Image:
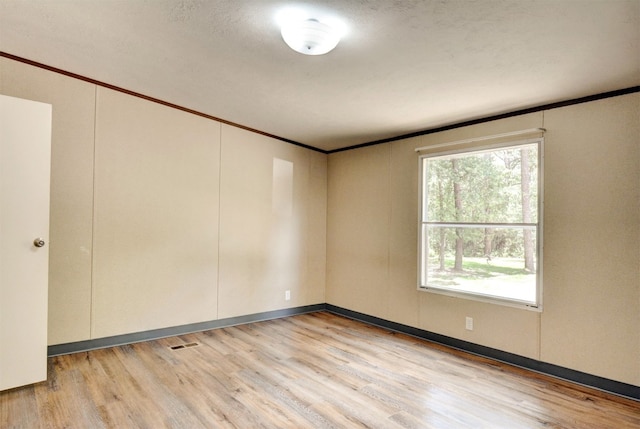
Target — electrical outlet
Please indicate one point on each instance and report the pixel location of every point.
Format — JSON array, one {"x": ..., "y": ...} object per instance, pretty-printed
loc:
[
  {"x": 287, "y": 295},
  {"x": 468, "y": 324}
]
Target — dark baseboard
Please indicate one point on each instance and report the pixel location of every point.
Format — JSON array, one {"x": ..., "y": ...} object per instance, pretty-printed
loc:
[
  {"x": 616, "y": 387},
  {"x": 136, "y": 337}
]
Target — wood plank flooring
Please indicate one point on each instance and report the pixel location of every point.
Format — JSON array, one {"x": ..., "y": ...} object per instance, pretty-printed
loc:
[{"x": 315, "y": 370}]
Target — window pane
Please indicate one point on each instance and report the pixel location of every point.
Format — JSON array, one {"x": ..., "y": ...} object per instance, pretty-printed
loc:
[
  {"x": 499, "y": 262},
  {"x": 496, "y": 186}
]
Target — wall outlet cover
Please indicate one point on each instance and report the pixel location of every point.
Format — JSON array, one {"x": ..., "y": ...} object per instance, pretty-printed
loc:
[{"x": 468, "y": 323}]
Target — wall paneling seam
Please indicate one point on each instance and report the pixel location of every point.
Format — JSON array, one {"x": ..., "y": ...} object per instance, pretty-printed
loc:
[
  {"x": 93, "y": 210},
  {"x": 219, "y": 222}
]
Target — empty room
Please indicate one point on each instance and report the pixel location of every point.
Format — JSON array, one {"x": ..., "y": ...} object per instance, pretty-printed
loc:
[{"x": 319, "y": 214}]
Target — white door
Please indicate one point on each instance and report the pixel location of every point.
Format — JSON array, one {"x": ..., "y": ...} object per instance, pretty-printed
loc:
[{"x": 25, "y": 153}]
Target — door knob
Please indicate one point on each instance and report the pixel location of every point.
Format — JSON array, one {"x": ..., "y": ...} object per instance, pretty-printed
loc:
[{"x": 38, "y": 242}]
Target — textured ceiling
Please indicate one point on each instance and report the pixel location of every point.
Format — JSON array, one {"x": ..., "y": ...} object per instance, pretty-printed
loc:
[{"x": 404, "y": 66}]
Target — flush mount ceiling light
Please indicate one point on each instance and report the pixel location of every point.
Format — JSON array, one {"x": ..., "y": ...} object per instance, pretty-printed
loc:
[{"x": 310, "y": 36}]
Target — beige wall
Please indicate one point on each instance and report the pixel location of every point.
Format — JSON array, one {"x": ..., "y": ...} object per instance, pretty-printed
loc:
[
  {"x": 358, "y": 230},
  {"x": 591, "y": 318},
  {"x": 155, "y": 225},
  {"x": 270, "y": 239},
  {"x": 158, "y": 216},
  {"x": 372, "y": 245},
  {"x": 190, "y": 221},
  {"x": 591, "y": 265}
]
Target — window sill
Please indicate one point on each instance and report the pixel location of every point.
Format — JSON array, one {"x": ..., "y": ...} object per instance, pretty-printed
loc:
[{"x": 490, "y": 299}]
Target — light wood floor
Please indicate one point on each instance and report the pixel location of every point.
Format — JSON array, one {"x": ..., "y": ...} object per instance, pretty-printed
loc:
[{"x": 310, "y": 371}]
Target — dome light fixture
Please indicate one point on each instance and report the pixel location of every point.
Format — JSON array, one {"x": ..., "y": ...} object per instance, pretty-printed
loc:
[{"x": 310, "y": 36}]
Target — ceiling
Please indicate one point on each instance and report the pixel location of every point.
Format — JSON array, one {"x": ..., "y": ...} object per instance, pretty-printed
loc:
[{"x": 403, "y": 67}]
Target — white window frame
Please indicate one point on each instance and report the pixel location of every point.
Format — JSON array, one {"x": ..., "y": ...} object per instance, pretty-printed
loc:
[{"x": 422, "y": 236}]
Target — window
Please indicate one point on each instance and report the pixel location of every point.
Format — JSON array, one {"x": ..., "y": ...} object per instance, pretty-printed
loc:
[{"x": 480, "y": 221}]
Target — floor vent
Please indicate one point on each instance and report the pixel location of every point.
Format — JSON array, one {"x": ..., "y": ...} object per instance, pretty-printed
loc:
[{"x": 184, "y": 346}]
